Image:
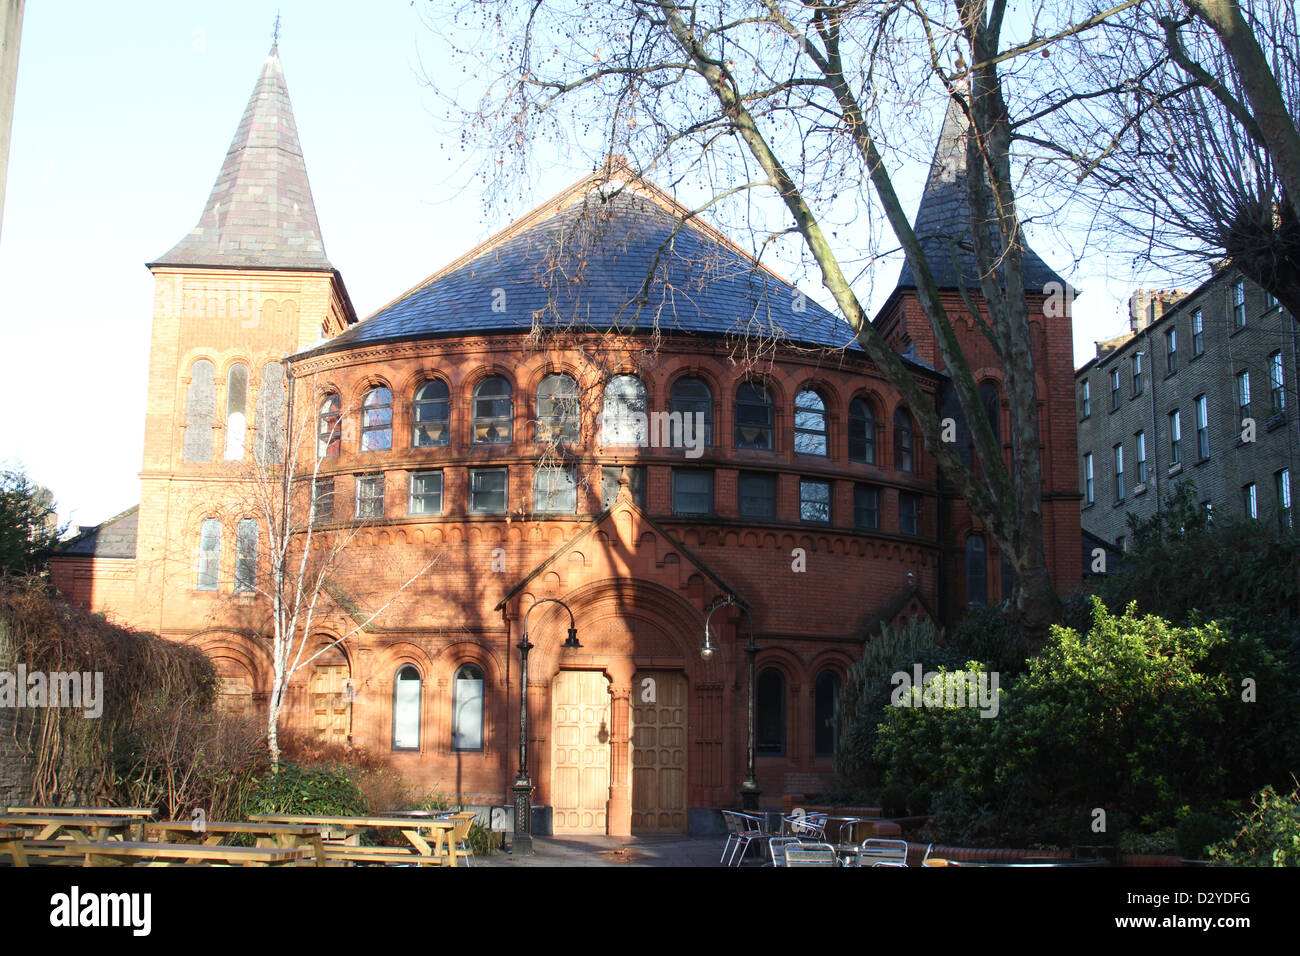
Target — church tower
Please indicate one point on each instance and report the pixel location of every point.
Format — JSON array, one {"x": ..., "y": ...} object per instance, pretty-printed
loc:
[
  {"x": 973, "y": 572},
  {"x": 250, "y": 284}
]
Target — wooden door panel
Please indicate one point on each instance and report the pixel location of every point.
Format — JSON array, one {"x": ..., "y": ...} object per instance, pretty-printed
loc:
[
  {"x": 580, "y": 752},
  {"x": 659, "y": 752}
]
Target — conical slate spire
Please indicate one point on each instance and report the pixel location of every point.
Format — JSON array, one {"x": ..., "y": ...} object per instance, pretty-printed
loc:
[
  {"x": 260, "y": 212},
  {"x": 943, "y": 220}
]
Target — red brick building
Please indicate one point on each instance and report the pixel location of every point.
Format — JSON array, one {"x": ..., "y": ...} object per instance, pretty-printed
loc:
[{"x": 520, "y": 422}]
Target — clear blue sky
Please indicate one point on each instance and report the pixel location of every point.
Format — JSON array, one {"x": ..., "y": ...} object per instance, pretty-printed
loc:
[{"x": 123, "y": 115}]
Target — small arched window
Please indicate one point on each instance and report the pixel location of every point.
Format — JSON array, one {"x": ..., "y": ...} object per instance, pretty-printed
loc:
[
  {"x": 246, "y": 555},
  {"x": 623, "y": 418},
  {"x": 826, "y": 730},
  {"x": 200, "y": 411},
  {"x": 236, "y": 411},
  {"x": 691, "y": 401},
  {"x": 493, "y": 411},
  {"x": 754, "y": 416},
  {"x": 809, "y": 423},
  {"x": 557, "y": 409},
  {"x": 377, "y": 420},
  {"x": 904, "y": 459},
  {"x": 769, "y": 712},
  {"x": 430, "y": 415},
  {"x": 992, "y": 402},
  {"x": 271, "y": 405},
  {"x": 209, "y": 554},
  {"x": 977, "y": 570},
  {"x": 467, "y": 709},
  {"x": 329, "y": 427},
  {"x": 406, "y": 708},
  {"x": 862, "y": 431}
]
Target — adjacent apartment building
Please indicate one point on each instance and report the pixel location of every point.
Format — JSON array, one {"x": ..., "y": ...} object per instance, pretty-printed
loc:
[{"x": 1201, "y": 389}]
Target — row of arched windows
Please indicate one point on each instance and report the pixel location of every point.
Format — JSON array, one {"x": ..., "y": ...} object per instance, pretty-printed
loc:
[
  {"x": 201, "y": 413},
  {"x": 466, "y": 708},
  {"x": 770, "y": 713},
  {"x": 209, "y": 555},
  {"x": 624, "y": 420}
]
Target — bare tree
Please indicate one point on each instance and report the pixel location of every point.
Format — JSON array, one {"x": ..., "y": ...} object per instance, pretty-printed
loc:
[
  {"x": 809, "y": 103},
  {"x": 1197, "y": 156},
  {"x": 308, "y": 548}
]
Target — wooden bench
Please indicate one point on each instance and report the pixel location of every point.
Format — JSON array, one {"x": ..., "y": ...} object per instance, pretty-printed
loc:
[
  {"x": 217, "y": 832},
  {"x": 342, "y": 836},
  {"x": 141, "y": 812},
  {"x": 158, "y": 854},
  {"x": 92, "y": 828}
]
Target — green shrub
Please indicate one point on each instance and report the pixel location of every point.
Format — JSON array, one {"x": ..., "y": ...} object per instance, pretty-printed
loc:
[
  {"x": 893, "y": 801},
  {"x": 1196, "y": 831},
  {"x": 986, "y": 634},
  {"x": 919, "y": 801},
  {"x": 1269, "y": 835},
  {"x": 1160, "y": 843},
  {"x": 327, "y": 790}
]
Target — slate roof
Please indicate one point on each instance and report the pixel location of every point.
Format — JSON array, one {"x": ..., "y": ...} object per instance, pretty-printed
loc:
[
  {"x": 614, "y": 259},
  {"x": 943, "y": 219},
  {"x": 260, "y": 212},
  {"x": 114, "y": 538}
]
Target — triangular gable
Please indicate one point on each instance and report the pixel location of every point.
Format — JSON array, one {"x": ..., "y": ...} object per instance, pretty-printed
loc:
[
  {"x": 609, "y": 519},
  {"x": 869, "y": 627}
]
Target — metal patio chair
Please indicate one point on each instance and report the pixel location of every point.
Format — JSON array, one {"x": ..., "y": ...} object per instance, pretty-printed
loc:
[{"x": 810, "y": 854}]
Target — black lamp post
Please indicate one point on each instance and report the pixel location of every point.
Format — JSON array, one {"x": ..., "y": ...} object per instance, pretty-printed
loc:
[
  {"x": 523, "y": 788},
  {"x": 749, "y": 791}
]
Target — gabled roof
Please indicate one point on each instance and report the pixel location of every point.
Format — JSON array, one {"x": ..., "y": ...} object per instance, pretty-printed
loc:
[
  {"x": 260, "y": 212},
  {"x": 114, "y": 538},
  {"x": 943, "y": 219},
  {"x": 609, "y": 254}
]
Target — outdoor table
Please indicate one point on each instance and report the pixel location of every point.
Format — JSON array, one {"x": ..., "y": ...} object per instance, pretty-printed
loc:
[
  {"x": 86, "y": 811},
  {"x": 347, "y": 832},
  {"x": 214, "y": 832},
  {"x": 96, "y": 853},
  {"x": 87, "y": 829}
]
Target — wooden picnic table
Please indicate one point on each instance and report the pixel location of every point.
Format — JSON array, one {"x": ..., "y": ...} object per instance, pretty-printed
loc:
[
  {"x": 111, "y": 853},
  {"x": 86, "y": 811},
  {"x": 87, "y": 829},
  {"x": 342, "y": 836},
  {"x": 215, "y": 832}
]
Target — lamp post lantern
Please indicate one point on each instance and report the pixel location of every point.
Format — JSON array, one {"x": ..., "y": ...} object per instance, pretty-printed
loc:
[
  {"x": 749, "y": 792},
  {"x": 522, "y": 842}
]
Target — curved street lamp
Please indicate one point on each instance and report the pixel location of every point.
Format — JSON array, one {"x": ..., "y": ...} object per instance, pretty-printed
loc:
[
  {"x": 749, "y": 791},
  {"x": 522, "y": 842}
]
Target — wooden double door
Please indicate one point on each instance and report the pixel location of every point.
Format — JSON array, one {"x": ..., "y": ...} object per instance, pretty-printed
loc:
[{"x": 580, "y": 767}]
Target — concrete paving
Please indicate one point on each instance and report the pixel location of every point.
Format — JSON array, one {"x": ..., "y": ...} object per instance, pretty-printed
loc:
[{"x": 617, "y": 851}]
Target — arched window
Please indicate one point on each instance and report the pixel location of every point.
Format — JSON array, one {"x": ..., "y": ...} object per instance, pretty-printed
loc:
[
  {"x": 493, "y": 411},
  {"x": 977, "y": 570},
  {"x": 692, "y": 401},
  {"x": 557, "y": 409},
  {"x": 809, "y": 423},
  {"x": 246, "y": 555},
  {"x": 769, "y": 712},
  {"x": 862, "y": 431},
  {"x": 903, "y": 458},
  {"x": 992, "y": 402},
  {"x": 271, "y": 400},
  {"x": 209, "y": 554},
  {"x": 826, "y": 730},
  {"x": 467, "y": 709},
  {"x": 754, "y": 416},
  {"x": 430, "y": 414},
  {"x": 406, "y": 708},
  {"x": 623, "y": 419},
  {"x": 377, "y": 420},
  {"x": 200, "y": 410},
  {"x": 329, "y": 427},
  {"x": 236, "y": 411}
]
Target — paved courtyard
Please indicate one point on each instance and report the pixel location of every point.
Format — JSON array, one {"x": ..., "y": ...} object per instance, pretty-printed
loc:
[{"x": 615, "y": 851}]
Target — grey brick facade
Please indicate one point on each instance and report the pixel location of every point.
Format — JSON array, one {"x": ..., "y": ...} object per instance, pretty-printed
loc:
[{"x": 1256, "y": 337}]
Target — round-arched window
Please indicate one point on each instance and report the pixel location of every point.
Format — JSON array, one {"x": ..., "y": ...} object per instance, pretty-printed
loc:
[
  {"x": 467, "y": 709},
  {"x": 406, "y": 708}
]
